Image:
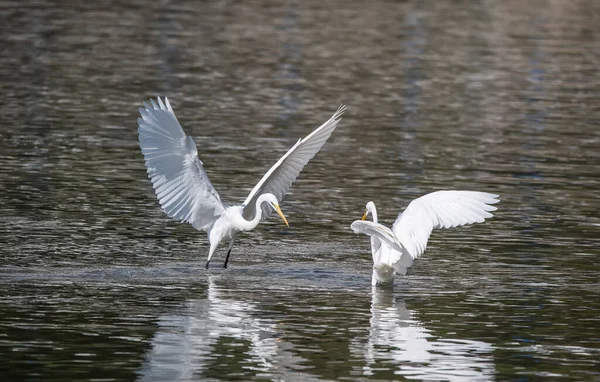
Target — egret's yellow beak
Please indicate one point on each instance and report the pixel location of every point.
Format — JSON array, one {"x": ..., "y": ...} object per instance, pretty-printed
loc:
[
  {"x": 280, "y": 213},
  {"x": 365, "y": 215}
]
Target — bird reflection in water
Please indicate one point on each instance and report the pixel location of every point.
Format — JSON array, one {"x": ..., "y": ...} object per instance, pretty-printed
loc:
[
  {"x": 223, "y": 338},
  {"x": 186, "y": 345},
  {"x": 396, "y": 336}
]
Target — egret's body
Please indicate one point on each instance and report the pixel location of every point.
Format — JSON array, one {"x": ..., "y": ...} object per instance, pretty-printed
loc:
[
  {"x": 394, "y": 250},
  {"x": 184, "y": 191}
]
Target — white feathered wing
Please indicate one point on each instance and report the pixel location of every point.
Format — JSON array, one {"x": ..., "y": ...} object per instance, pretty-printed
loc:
[
  {"x": 181, "y": 185},
  {"x": 440, "y": 209},
  {"x": 383, "y": 233},
  {"x": 282, "y": 174}
]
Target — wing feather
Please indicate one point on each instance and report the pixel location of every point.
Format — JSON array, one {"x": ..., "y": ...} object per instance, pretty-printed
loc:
[
  {"x": 280, "y": 177},
  {"x": 181, "y": 185},
  {"x": 441, "y": 209},
  {"x": 379, "y": 231}
]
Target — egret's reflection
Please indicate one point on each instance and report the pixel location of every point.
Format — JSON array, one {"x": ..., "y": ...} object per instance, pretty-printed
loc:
[
  {"x": 187, "y": 344},
  {"x": 397, "y": 337},
  {"x": 227, "y": 335}
]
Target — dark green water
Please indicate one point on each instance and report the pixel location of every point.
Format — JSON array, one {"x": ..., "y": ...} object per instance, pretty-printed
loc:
[{"x": 97, "y": 284}]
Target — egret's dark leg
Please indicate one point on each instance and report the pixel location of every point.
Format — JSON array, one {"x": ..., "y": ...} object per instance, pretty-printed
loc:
[
  {"x": 227, "y": 258},
  {"x": 208, "y": 262},
  {"x": 229, "y": 251}
]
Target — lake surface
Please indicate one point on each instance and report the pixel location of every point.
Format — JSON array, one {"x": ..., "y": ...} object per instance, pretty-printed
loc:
[{"x": 97, "y": 284}]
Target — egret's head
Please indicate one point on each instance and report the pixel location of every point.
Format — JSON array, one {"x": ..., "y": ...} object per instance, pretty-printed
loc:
[
  {"x": 369, "y": 209},
  {"x": 272, "y": 200}
]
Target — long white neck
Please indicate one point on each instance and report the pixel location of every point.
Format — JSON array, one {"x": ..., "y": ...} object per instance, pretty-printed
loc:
[
  {"x": 248, "y": 225},
  {"x": 374, "y": 213}
]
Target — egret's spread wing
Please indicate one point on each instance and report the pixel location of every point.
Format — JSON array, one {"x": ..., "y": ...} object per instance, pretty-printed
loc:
[
  {"x": 441, "y": 209},
  {"x": 179, "y": 180},
  {"x": 280, "y": 177},
  {"x": 379, "y": 231}
]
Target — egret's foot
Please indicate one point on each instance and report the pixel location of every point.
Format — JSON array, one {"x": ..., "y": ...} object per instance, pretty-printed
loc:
[{"x": 206, "y": 266}]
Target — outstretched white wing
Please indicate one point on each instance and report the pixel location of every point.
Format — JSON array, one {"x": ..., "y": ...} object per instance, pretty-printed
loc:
[
  {"x": 379, "y": 231},
  {"x": 179, "y": 180},
  {"x": 280, "y": 177},
  {"x": 441, "y": 209}
]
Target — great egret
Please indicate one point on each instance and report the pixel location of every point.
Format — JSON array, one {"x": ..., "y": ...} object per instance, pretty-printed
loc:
[
  {"x": 394, "y": 250},
  {"x": 184, "y": 191}
]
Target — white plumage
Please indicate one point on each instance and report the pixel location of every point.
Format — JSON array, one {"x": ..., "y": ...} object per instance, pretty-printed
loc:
[
  {"x": 412, "y": 228},
  {"x": 184, "y": 191},
  {"x": 177, "y": 175}
]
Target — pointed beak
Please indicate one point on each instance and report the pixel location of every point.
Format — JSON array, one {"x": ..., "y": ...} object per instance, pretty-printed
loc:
[
  {"x": 365, "y": 215},
  {"x": 276, "y": 206}
]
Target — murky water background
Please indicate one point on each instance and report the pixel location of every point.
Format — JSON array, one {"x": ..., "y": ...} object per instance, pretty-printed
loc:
[{"x": 96, "y": 283}]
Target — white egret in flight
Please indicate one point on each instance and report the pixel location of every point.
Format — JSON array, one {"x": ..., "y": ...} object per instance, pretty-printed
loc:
[
  {"x": 186, "y": 194},
  {"x": 395, "y": 249}
]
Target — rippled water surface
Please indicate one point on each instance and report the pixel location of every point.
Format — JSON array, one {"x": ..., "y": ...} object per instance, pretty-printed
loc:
[{"x": 96, "y": 283}]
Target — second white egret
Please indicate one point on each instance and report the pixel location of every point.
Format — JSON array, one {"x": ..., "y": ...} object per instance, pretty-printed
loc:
[
  {"x": 395, "y": 249},
  {"x": 184, "y": 191}
]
